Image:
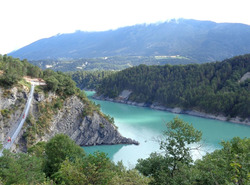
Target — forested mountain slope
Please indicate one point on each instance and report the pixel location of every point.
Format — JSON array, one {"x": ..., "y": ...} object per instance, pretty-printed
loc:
[
  {"x": 197, "y": 40},
  {"x": 211, "y": 88}
]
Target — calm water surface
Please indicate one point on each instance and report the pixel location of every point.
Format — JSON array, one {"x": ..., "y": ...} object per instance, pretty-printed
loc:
[{"x": 146, "y": 126}]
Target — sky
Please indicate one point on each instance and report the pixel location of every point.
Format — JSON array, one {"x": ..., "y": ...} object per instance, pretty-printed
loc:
[{"x": 25, "y": 21}]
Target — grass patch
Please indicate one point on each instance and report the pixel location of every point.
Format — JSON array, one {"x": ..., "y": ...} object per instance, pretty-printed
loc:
[
  {"x": 39, "y": 89},
  {"x": 101, "y": 125},
  {"x": 6, "y": 113},
  {"x": 24, "y": 83}
]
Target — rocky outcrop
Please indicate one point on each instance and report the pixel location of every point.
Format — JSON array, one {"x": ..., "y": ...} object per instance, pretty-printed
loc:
[
  {"x": 84, "y": 130},
  {"x": 245, "y": 77},
  {"x": 70, "y": 120}
]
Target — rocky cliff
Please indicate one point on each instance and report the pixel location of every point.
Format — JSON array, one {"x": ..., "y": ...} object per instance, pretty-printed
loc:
[
  {"x": 12, "y": 102},
  {"x": 69, "y": 119}
]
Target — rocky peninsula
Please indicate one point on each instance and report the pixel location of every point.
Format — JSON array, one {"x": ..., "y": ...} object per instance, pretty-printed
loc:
[{"x": 85, "y": 130}]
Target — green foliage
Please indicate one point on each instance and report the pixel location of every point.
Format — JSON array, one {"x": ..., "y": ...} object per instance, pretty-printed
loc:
[
  {"x": 92, "y": 107},
  {"x": 34, "y": 71},
  {"x": 38, "y": 126},
  {"x": 59, "y": 82},
  {"x": 31, "y": 131},
  {"x": 14, "y": 70},
  {"x": 176, "y": 144},
  {"x": 67, "y": 164},
  {"x": 10, "y": 77},
  {"x": 71, "y": 173},
  {"x": 211, "y": 88},
  {"x": 128, "y": 177},
  {"x": 88, "y": 111},
  {"x": 97, "y": 169},
  {"x": 38, "y": 149},
  {"x": 166, "y": 168},
  {"x": 101, "y": 125},
  {"x": 5, "y": 113},
  {"x": 21, "y": 169},
  {"x": 152, "y": 165},
  {"x": 89, "y": 79},
  {"x": 230, "y": 164},
  {"x": 52, "y": 83},
  {"x": 58, "y": 149},
  {"x": 107, "y": 117}
]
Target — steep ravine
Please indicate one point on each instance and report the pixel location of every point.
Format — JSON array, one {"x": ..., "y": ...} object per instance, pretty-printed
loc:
[{"x": 84, "y": 130}]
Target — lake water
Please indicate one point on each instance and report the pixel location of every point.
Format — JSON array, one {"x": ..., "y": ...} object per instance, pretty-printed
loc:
[{"x": 147, "y": 125}]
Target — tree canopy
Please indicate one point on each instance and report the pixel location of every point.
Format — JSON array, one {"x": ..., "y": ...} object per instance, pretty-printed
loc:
[
  {"x": 58, "y": 149},
  {"x": 14, "y": 70},
  {"x": 229, "y": 165},
  {"x": 165, "y": 168},
  {"x": 89, "y": 79},
  {"x": 212, "y": 88},
  {"x": 61, "y": 161}
]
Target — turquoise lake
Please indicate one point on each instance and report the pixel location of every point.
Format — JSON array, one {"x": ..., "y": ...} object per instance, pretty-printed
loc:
[{"x": 147, "y": 125}]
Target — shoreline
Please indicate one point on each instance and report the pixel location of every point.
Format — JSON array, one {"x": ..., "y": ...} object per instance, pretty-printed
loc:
[{"x": 155, "y": 106}]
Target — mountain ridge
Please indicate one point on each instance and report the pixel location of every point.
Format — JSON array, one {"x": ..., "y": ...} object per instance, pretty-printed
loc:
[{"x": 198, "y": 40}]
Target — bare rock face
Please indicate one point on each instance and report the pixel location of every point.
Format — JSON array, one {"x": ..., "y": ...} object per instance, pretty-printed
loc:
[
  {"x": 84, "y": 130},
  {"x": 245, "y": 77},
  {"x": 10, "y": 97},
  {"x": 12, "y": 102}
]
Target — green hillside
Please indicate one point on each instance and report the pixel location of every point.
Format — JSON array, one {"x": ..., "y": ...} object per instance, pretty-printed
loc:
[{"x": 212, "y": 87}]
